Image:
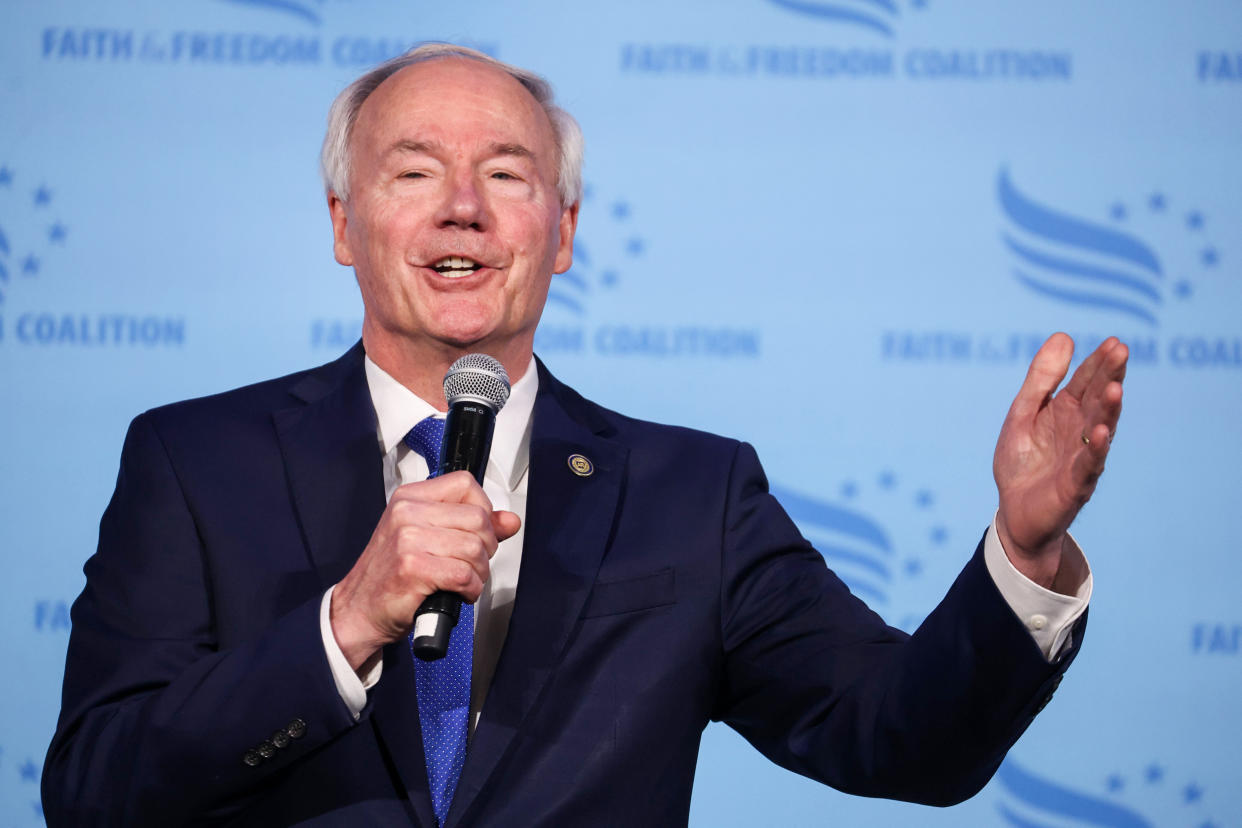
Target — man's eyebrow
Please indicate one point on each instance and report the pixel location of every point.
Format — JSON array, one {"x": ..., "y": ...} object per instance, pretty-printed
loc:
[
  {"x": 407, "y": 145},
  {"x": 516, "y": 150},
  {"x": 513, "y": 149}
]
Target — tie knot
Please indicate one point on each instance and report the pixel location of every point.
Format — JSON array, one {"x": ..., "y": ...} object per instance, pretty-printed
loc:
[{"x": 425, "y": 438}]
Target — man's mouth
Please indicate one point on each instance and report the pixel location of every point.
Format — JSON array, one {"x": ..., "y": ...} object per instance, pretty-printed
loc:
[{"x": 455, "y": 267}]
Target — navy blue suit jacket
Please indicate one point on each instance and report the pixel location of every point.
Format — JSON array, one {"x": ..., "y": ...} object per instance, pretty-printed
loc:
[{"x": 665, "y": 590}]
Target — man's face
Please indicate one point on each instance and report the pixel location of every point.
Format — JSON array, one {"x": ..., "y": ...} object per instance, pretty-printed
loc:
[{"x": 454, "y": 225}]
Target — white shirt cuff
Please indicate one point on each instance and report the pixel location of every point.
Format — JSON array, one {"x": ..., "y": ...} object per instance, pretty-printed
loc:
[
  {"x": 1048, "y": 616},
  {"x": 353, "y": 689}
]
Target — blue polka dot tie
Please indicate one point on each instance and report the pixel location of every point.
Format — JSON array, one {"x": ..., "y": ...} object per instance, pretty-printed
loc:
[{"x": 443, "y": 686}]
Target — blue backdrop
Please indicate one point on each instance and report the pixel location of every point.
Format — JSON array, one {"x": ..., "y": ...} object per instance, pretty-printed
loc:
[{"x": 882, "y": 206}]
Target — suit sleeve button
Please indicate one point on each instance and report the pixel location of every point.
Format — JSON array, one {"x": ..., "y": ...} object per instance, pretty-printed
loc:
[
  {"x": 252, "y": 758},
  {"x": 267, "y": 750},
  {"x": 296, "y": 729},
  {"x": 280, "y": 739}
]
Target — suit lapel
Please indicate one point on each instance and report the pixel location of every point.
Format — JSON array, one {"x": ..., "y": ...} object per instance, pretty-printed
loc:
[
  {"x": 336, "y": 478},
  {"x": 333, "y": 463},
  {"x": 569, "y": 521}
]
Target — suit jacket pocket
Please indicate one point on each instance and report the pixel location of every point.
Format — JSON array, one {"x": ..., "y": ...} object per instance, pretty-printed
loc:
[{"x": 632, "y": 594}]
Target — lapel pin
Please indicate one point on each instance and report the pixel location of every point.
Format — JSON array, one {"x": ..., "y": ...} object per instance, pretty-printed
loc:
[{"x": 581, "y": 466}]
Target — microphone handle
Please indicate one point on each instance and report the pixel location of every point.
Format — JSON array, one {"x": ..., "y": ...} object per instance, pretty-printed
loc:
[{"x": 467, "y": 444}]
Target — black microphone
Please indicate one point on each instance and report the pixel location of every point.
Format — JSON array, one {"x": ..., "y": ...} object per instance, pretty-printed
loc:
[{"x": 476, "y": 387}]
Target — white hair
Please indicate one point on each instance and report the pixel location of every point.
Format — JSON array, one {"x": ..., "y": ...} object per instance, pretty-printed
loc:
[{"x": 334, "y": 158}]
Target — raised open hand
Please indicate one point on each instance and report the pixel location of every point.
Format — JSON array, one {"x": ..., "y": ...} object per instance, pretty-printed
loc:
[{"x": 1051, "y": 452}]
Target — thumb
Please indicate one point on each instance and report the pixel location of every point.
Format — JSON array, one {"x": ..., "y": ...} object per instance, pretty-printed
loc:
[
  {"x": 505, "y": 524},
  {"x": 1048, "y": 368}
]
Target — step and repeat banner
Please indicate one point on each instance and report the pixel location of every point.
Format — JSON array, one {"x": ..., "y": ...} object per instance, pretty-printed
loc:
[{"x": 835, "y": 228}]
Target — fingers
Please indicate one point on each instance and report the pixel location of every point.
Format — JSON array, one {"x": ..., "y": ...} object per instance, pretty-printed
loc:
[
  {"x": 1111, "y": 367},
  {"x": 1088, "y": 464},
  {"x": 434, "y": 558},
  {"x": 455, "y": 487},
  {"x": 1045, "y": 374},
  {"x": 434, "y": 535},
  {"x": 1101, "y": 424},
  {"x": 1101, "y": 398},
  {"x": 1097, "y": 367}
]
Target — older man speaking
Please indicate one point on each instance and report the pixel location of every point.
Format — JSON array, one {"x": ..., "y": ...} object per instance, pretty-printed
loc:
[{"x": 239, "y": 655}]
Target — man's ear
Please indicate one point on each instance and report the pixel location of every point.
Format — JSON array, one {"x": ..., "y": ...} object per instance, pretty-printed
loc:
[
  {"x": 565, "y": 252},
  {"x": 340, "y": 218}
]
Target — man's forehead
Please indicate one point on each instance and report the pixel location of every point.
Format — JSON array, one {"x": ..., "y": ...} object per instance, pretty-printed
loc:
[
  {"x": 454, "y": 83},
  {"x": 453, "y": 104}
]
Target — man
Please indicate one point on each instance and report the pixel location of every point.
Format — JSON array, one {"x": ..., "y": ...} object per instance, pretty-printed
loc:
[{"x": 239, "y": 653}]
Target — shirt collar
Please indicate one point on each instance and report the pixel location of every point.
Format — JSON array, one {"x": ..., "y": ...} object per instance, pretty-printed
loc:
[{"x": 398, "y": 409}]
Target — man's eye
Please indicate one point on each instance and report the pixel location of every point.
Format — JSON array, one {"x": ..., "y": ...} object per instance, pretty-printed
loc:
[
  {"x": 504, "y": 176},
  {"x": 413, "y": 174}
]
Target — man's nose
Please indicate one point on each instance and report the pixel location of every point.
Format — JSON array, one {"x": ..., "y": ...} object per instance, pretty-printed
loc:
[{"x": 463, "y": 205}]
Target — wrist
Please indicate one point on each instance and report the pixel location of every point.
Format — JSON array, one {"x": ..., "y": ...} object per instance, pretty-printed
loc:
[
  {"x": 354, "y": 636},
  {"x": 1039, "y": 563}
]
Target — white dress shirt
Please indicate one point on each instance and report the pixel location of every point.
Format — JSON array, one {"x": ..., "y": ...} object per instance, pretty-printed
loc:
[{"x": 1047, "y": 615}]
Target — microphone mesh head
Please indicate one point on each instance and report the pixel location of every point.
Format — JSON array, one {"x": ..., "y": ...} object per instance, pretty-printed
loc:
[{"x": 477, "y": 378}]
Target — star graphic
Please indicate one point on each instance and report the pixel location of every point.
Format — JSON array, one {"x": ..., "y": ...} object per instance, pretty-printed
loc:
[
  {"x": 42, "y": 197},
  {"x": 887, "y": 480},
  {"x": 620, "y": 211},
  {"x": 1154, "y": 773},
  {"x": 6, "y": 176},
  {"x": 1115, "y": 783},
  {"x": 918, "y": 4},
  {"x": 923, "y": 499},
  {"x": 29, "y": 771},
  {"x": 938, "y": 535},
  {"x": 1192, "y": 793},
  {"x": 635, "y": 246},
  {"x": 609, "y": 278},
  {"x": 30, "y": 266},
  {"x": 1183, "y": 289},
  {"x": 914, "y": 567},
  {"x": 1208, "y": 824},
  {"x": 38, "y": 808},
  {"x": 849, "y": 489},
  {"x": 1156, "y": 202},
  {"x": 588, "y": 192},
  {"x": 1209, "y": 256},
  {"x": 1194, "y": 220},
  {"x": 1118, "y": 211},
  {"x": 56, "y": 233}
]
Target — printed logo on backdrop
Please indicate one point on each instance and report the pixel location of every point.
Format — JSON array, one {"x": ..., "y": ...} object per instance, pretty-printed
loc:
[
  {"x": 1217, "y": 67},
  {"x": 1216, "y": 638},
  {"x": 1132, "y": 262},
  {"x": 306, "y": 10},
  {"x": 34, "y": 234},
  {"x": 239, "y": 32},
  {"x": 861, "y": 43},
  {"x": 1131, "y": 796},
  {"x": 879, "y": 537},
  {"x": 882, "y": 16},
  {"x": 612, "y": 263}
]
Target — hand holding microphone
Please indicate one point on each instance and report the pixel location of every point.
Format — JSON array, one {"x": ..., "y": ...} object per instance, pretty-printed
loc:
[
  {"x": 476, "y": 388},
  {"x": 433, "y": 542}
]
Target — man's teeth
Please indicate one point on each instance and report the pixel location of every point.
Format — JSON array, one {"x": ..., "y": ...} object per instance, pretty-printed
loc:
[{"x": 454, "y": 267}]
